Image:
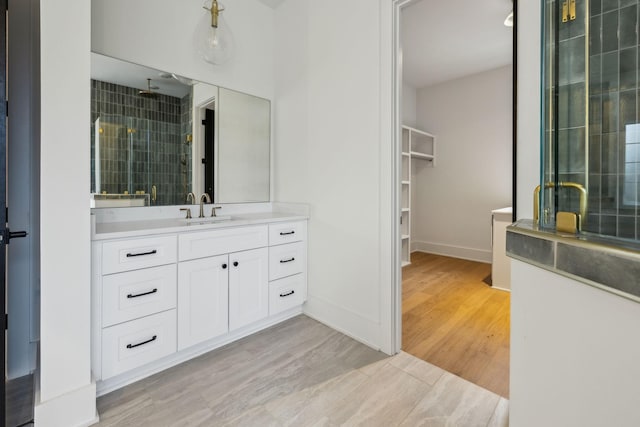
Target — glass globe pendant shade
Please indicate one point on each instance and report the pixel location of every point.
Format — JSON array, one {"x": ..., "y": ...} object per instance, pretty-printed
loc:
[
  {"x": 508, "y": 22},
  {"x": 216, "y": 44}
]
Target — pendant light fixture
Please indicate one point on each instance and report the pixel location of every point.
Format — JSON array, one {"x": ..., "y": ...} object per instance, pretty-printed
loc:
[
  {"x": 215, "y": 39},
  {"x": 508, "y": 22}
]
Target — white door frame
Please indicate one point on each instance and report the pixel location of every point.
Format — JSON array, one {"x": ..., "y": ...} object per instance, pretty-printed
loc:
[{"x": 396, "y": 123}]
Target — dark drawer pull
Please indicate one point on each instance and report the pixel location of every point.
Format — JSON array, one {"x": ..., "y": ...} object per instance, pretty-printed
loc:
[
  {"x": 286, "y": 233},
  {"x": 282, "y": 261},
  {"x": 142, "y": 343},
  {"x": 143, "y": 294},
  {"x": 287, "y": 294},
  {"x": 143, "y": 253}
]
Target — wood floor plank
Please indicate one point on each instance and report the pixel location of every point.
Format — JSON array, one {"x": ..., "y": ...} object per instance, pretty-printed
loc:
[{"x": 454, "y": 320}]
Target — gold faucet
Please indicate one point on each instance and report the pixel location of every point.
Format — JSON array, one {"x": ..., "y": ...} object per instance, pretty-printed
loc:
[
  {"x": 204, "y": 197},
  {"x": 574, "y": 185}
]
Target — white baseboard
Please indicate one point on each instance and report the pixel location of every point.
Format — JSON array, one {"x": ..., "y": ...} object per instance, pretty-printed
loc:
[
  {"x": 74, "y": 409},
  {"x": 347, "y": 322},
  {"x": 470, "y": 254}
]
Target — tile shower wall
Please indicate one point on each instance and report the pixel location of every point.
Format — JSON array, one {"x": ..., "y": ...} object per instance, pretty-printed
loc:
[
  {"x": 613, "y": 114},
  {"x": 143, "y": 142},
  {"x": 570, "y": 128}
]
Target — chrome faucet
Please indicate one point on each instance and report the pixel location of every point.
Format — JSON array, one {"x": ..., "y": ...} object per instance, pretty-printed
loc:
[
  {"x": 192, "y": 197},
  {"x": 204, "y": 197}
]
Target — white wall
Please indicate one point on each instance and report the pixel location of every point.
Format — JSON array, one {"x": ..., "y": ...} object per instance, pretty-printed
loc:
[
  {"x": 65, "y": 251},
  {"x": 574, "y": 353},
  {"x": 161, "y": 34},
  {"x": 528, "y": 149},
  {"x": 332, "y": 152},
  {"x": 452, "y": 202},
  {"x": 409, "y": 104}
]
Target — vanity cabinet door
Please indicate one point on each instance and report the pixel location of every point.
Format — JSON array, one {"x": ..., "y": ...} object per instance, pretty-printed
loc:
[
  {"x": 203, "y": 290},
  {"x": 248, "y": 287}
]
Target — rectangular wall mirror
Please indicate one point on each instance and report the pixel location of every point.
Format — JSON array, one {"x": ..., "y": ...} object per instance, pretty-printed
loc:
[{"x": 156, "y": 136}]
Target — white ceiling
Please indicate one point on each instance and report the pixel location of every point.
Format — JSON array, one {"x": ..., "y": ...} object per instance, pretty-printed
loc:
[{"x": 447, "y": 39}]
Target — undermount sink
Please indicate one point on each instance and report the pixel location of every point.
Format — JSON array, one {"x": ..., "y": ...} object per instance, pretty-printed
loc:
[{"x": 206, "y": 220}]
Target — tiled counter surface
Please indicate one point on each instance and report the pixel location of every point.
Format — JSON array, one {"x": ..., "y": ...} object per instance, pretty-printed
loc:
[{"x": 609, "y": 264}]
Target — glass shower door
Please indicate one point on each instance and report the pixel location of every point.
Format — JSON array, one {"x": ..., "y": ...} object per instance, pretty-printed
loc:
[{"x": 590, "y": 136}]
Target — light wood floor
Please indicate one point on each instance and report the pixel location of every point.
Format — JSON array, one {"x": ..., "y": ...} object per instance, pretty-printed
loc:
[
  {"x": 302, "y": 373},
  {"x": 454, "y": 320}
]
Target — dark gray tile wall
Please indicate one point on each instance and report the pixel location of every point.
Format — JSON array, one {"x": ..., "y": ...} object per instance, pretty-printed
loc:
[
  {"x": 613, "y": 178},
  {"x": 604, "y": 154},
  {"x": 572, "y": 126},
  {"x": 143, "y": 142}
]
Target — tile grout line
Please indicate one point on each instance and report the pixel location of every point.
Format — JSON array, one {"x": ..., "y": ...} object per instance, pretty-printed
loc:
[{"x": 494, "y": 411}]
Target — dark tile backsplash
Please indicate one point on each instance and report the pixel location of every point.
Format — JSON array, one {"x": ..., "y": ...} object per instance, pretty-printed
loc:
[{"x": 143, "y": 142}]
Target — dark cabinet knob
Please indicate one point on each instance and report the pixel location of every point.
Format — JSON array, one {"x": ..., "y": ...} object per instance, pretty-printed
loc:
[
  {"x": 224, "y": 266},
  {"x": 235, "y": 263}
]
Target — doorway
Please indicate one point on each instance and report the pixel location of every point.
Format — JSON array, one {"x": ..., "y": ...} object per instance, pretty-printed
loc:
[
  {"x": 20, "y": 205},
  {"x": 456, "y": 81}
]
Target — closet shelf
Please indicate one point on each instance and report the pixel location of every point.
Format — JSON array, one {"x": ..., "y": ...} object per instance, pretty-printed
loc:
[
  {"x": 423, "y": 156},
  {"x": 415, "y": 145}
]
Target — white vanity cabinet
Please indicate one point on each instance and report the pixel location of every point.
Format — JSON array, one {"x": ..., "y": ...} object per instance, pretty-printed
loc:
[
  {"x": 248, "y": 287},
  {"x": 134, "y": 303},
  {"x": 220, "y": 291},
  {"x": 287, "y": 265},
  {"x": 164, "y": 298},
  {"x": 203, "y": 295}
]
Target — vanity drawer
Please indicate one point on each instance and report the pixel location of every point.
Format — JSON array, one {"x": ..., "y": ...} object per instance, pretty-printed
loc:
[
  {"x": 287, "y": 232},
  {"x": 138, "y": 342},
  {"x": 217, "y": 242},
  {"x": 133, "y": 254},
  {"x": 286, "y": 260},
  {"x": 286, "y": 293},
  {"x": 127, "y": 296}
]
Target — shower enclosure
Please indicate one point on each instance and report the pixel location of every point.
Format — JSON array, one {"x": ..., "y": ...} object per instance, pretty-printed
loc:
[
  {"x": 141, "y": 151},
  {"x": 121, "y": 153},
  {"x": 591, "y": 132}
]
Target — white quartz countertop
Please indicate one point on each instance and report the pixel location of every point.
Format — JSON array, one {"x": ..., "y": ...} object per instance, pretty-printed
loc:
[{"x": 124, "y": 229}]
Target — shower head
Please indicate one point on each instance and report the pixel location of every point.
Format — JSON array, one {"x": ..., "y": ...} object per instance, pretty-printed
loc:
[{"x": 148, "y": 93}]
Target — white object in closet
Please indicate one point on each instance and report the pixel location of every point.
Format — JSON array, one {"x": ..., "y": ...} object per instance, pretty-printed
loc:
[{"x": 416, "y": 145}]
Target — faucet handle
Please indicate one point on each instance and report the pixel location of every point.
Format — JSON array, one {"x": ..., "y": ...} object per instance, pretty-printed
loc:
[
  {"x": 214, "y": 209},
  {"x": 188, "y": 212}
]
